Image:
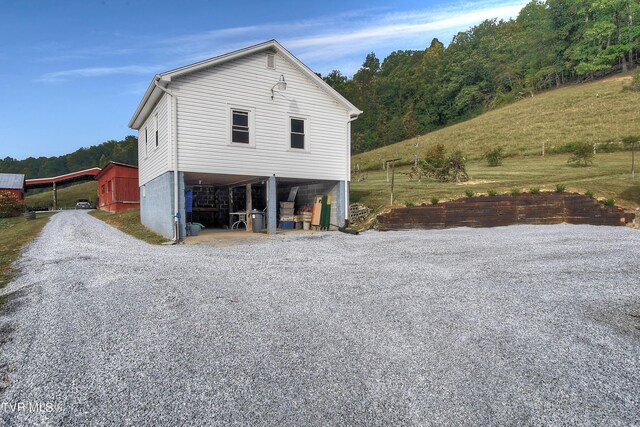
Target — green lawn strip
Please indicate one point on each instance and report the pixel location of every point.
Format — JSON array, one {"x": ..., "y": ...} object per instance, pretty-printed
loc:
[
  {"x": 129, "y": 222},
  {"x": 14, "y": 234},
  {"x": 608, "y": 177}
]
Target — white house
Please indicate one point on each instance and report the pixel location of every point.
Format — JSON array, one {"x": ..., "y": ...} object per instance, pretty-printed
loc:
[{"x": 241, "y": 130}]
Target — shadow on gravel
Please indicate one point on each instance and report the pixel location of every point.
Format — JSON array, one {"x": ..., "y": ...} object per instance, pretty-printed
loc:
[
  {"x": 10, "y": 304},
  {"x": 625, "y": 320}
]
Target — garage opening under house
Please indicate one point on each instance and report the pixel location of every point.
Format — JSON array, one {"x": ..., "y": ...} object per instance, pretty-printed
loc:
[{"x": 238, "y": 131}]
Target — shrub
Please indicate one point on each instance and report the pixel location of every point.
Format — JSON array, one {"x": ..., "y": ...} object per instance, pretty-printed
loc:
[
  {"x": 434, "y": 160},
  {"x": 409, "y": 204},
  {"x": 494, "y": 156},
  {"x": 609, "y": 202},
  {"x": 515, "y": 191},
  {"x": 564, "y": 148},
  {"x": 434, "y": 200},
  {"x": 635, "y": 83},
  {"x": 492, "y": 192},
  {"x": 582, "y": 154},
  {"x": 560, "y": 188},
  {"x": 469, "y": 192},
  {"x": 444, "y": 168},
  {"x": 534, "y": 190},
  {"x": 589, "y": 194},
  {"x": 10, "y": 204}
]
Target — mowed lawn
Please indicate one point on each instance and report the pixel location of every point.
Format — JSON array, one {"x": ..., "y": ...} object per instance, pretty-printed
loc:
[{"x": 609, "y": 176}]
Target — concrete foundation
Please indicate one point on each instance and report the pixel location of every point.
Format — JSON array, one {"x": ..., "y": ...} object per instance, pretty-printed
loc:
[{"x": 156, "y": 205}]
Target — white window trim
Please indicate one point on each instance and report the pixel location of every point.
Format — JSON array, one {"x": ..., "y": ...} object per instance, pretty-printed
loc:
[
  {"x": 252, "y": 125},
  {"x": 274, "y": 61},
  {"x": 307, "y": 133},
  {"x": 146, "y": 137},
  {"x": 156, "y": 135}
]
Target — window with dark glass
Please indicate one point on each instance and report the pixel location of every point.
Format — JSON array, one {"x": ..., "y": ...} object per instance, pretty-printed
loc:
[
  {"x": 240, "y": 127},
  {"x": 297, "y": 133}
]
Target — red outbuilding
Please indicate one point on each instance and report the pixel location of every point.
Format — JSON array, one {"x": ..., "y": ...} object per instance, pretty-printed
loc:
[
  {"x": 13, "y": 183},
  {"x": 118, "y": 188}
]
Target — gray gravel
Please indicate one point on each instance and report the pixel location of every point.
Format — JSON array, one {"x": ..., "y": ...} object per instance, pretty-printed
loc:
[{"x": 522, "y": 325}]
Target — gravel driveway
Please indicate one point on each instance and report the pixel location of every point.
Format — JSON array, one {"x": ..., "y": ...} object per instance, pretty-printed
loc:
[{"x": 522, "y": 325}]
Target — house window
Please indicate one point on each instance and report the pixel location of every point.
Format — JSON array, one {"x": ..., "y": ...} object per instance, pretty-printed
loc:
[
  {"x": 146, "y": 149},
  {"x": 240, "y": 127},
  {"x": 297, "y": 127},
  {"x": 156, "y": 129},
  {"x": 102, "y": 188},
  {"x": 271, "y": 61}
]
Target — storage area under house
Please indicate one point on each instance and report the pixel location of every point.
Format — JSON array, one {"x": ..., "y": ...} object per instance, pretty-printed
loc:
[{"x": 220, "y": 202}]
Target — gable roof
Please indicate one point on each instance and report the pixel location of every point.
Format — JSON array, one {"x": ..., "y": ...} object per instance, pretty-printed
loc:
[
  {"x": 13, "y": 181},
  {"x": 111, "y": 165},
  {"x": 153, "y": 93}
]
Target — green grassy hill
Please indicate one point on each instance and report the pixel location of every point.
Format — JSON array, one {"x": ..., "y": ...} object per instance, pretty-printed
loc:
[
  {"x": 599, "y": 112},
  {"x": 67, "y": 196}
]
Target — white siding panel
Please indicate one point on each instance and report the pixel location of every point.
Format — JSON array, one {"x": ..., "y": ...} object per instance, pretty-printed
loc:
[
  {"x": 203, "y": 102},
  {"x": 156, "y": 160}
]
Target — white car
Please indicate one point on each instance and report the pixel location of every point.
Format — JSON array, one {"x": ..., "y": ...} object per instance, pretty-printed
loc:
[{"x": 83, "y": 204}]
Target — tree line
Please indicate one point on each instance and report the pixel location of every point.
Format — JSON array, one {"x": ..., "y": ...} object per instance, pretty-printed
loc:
[
  {"x": 124, "y": 151},
  {"x": 413, "y": 92},
  {"x": 549, "y": 44}
]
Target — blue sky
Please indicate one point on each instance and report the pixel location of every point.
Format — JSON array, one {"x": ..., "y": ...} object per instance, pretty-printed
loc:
[{"x": 72, "y": 72}]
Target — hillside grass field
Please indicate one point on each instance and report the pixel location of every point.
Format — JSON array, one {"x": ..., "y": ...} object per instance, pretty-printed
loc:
[
  {"x": 599, "y": 112},
  {"x": 67, "y": 196}
]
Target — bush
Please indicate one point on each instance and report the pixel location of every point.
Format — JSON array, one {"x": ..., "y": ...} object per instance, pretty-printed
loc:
[
  {"x": 635, "y": 83},
  {"x": 609, "y": 147},
  {"x": 560, "y": 188},
  {"x": 564, "y": 148},
  {"x": 609, "y": 202},
  {"x": 434, "y": 200},
  {"x": 589, "y": 194},
  {"x": 444, "y": 168},
  {"x": 515, "y": 191},
  {"x": 409, "y": 204},
  {"x": 534, "y": 190},
  {"x": 469, "y": 192},
  {"x": 494, "y": 156},
  {"x": 492, "y": 192},
  {"x": 582, "y": 154},
  {"x": 10, "y": 205}
]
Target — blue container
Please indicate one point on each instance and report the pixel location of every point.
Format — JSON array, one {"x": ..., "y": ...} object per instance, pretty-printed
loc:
[{"x": 287, "y": 225}]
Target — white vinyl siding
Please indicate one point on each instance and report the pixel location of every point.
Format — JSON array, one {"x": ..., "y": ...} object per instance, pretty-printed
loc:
[
  {"x": 154, "y": 160},
  {"x": 204, "y": 100}
]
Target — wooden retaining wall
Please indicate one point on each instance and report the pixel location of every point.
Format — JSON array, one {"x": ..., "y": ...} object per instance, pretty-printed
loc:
[{"x": 494, "y": 211}]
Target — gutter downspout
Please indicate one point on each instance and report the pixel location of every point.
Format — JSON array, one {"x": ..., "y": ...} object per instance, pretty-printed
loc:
[{"x": 176, "y": 205}]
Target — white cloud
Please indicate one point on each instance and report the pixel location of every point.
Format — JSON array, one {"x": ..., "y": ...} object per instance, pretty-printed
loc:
[
  {"x": 334, "y": 40},
  {"x": 329, "y": 42},
  {"x": 62, "y": 76}
]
